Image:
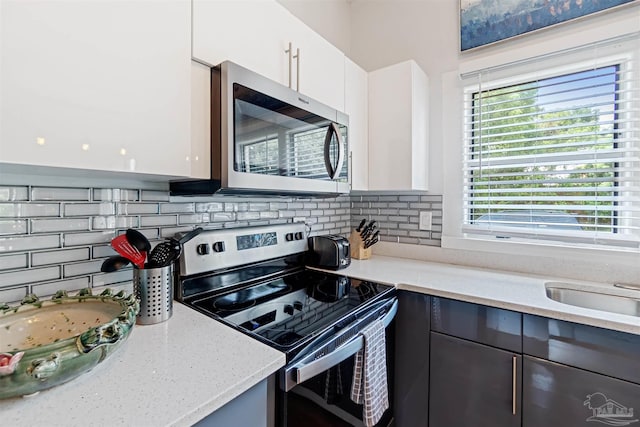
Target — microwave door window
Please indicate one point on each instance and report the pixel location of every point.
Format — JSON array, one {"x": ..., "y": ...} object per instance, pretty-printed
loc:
[{"x": 275, "y": 138}]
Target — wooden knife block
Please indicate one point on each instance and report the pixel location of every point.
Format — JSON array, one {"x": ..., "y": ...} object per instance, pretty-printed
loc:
[{"x": 357, "y": 247}]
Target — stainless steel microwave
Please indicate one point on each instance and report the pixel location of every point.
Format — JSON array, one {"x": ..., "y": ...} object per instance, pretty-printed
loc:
[{"x": 269, "y": 139}]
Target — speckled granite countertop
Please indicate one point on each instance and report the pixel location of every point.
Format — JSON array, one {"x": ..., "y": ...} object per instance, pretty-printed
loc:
[
  {"x": 168, "y": 374},
  {"x": 513, "y": 291}
]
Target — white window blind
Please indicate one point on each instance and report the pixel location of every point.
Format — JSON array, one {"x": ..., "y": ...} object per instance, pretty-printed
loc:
[{"x": 552, "y": 147}]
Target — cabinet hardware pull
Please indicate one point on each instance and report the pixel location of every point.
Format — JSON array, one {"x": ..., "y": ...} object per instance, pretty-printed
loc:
[
  {"x": 297, "y": 58},
  {"x": 290, "y": 52},
  {"x": 514, "y": 385}
]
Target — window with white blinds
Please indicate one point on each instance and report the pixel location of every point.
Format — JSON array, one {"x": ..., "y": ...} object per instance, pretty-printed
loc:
[{"x": 554, "y": 153}]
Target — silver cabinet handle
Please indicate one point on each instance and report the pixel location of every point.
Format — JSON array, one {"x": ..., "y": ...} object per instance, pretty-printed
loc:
[
  {"x": 297, "y": 58},
  {"x": 333, "y": 130},
  {"x": 306, "y": 369},
  {"x": 290, "y": 52},
  {"x": 514, "y": 366}
]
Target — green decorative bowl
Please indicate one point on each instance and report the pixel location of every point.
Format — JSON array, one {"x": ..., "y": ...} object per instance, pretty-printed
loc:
[{"x": 47, "y": 343}]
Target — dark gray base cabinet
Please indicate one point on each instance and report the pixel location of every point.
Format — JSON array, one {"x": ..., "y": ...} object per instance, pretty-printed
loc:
[
  {"x": 412, "y": 360},
  {"x": 556, "y": 395},
  {"x": 473, "y": 384}
]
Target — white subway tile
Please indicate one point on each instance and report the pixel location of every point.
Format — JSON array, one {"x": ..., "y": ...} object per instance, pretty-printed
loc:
[
  {"x": 137, "y": 208},
  {"x": 268, "y": 215},
  {"x": 210, "y": 207},
  {"x": 59, "y": 225},
  {"x": 222, "y": 217},
  {"x": 9, "y": 262},
  {"x": 26, "y": 243},
  {"x": 103, "y": 251},
  {"x": 22, "y": 210},
  {"x": 29, "y": 276},
  {"x": 10, "y": 226},
  {"x": 51, "y": 193},
  {"x": 13, "y": 295},
  {"x": 115, "y": 195},
  {"x": 171, "y": 232},
  {"x": 59, "y": 257},
  {"x": 103, "y": 279},
  {"x": 245, "y": 216},
  {"x": 177, "y": 208},
  {"x": 108, "y": 222},
  {"x": 47, "y": 289},
  {"x": 80, "y": 239},
  {"x": 81, "y": 268},
  {"x": 152, "y": 221},
  {"x": 191, "y": 219},
  {"x": 14, "y": 194},
  {"x": 88, "y": 209},
  {"x": 155, "y": 196}
]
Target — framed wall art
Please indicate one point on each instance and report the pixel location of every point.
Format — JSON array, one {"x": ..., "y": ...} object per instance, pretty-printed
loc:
[{"x": 483, "y": 22}]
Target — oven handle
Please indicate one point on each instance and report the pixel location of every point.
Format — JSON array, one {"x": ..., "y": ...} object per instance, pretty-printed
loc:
[{"x": 303, "y": 371}]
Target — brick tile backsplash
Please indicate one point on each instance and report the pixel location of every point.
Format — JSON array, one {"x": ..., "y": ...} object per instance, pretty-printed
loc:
[
  {"x": 57, "y": 237},
  {"x": 398, "y": 216}
]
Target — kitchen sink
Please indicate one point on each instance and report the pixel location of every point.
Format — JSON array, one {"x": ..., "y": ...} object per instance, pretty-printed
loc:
[{"x": 603, "y": 299}]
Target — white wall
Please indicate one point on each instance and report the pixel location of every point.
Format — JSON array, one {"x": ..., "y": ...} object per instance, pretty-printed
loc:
[{"x": 329, "y": 18}]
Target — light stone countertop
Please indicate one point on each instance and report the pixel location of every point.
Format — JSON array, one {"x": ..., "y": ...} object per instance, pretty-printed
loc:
[
  {"x": 168, "y": 374},
  {"x": 513, "y": 291}
]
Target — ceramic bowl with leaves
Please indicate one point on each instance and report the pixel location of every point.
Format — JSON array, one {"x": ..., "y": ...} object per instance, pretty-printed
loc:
[{"x": 44, "y": 343}]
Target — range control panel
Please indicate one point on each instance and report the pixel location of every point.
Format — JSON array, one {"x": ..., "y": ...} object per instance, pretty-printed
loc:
[{"x": 217, "y": 249}]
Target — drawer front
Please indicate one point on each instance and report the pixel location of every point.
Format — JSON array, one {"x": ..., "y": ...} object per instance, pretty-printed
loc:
[
  {"x": 612, "y": 353},
  {"x": 487, "y": 325},
  {"x": 556, "y": 395}
]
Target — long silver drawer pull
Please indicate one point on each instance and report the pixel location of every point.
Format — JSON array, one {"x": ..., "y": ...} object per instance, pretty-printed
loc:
[
  {"x": 514, "y": 385},
  {"x": 305, "y": 371}
]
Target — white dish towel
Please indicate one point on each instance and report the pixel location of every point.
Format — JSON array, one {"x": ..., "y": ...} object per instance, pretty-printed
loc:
[{"x": 369, "y": 386}]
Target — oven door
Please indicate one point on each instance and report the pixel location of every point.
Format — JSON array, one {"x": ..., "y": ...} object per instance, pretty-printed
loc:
[{"x": 316, "y": 391}]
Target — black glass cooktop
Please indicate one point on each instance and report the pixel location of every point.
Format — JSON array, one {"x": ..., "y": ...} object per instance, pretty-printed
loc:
[{"x": 288, "y": 310}]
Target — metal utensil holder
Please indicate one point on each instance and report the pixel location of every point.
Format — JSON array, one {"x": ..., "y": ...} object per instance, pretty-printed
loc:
[{"x": 154, "y": 288}]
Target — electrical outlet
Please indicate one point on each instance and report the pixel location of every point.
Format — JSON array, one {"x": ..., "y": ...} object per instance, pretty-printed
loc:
[{"x": 426, "y": 217}]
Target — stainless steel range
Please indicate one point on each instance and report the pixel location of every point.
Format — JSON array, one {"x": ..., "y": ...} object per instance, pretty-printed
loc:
[{"x": 255, "y": 280}]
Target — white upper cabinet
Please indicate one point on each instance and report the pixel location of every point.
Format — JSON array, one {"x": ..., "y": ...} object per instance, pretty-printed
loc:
[
  {"x": 256, "y": 33},
  {"x": 398, "y": 128},
  {"x": 356, "y": 106},
  {"x": 99, "y": 85}
]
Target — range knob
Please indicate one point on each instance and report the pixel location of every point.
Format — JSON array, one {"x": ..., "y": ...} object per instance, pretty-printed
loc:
[
  {"x": 218, "y": 247},
  {"x": 288, "y": 309},
  {"x": 298, "y": 305},
  {"x": 288, "y": 237},
  {"x": 202, "y": 249},
  {"x": 298, "y": 235}
]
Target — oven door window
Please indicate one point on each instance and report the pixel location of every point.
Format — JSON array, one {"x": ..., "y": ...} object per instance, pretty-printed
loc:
[
  {"x": 275, "y": 138},
  {"x": 325, "y": 400}
]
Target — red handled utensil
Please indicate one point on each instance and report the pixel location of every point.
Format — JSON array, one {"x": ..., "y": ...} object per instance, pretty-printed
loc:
[{"x": 122, "y": 245}]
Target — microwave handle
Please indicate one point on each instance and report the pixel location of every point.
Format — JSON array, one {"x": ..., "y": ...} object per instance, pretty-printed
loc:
[
  {"x": 333, "y": 130},
  {"x": 304, "y": 371}
]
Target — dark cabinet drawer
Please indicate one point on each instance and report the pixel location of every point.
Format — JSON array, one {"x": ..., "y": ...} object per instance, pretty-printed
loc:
[
  {"x": 612, "y": 353},
  {"x": 487, "y": 325},
  {"x": 561, "y": 396}
]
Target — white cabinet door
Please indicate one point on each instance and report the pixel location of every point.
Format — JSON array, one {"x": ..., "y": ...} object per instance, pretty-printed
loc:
[
  {"x": 96, "y": 85},
  {"x": 321, "y": 68},
  {"x": 256, "y": 33},
  {"x": 356, "y": 106},
  {"x": 398, "y": 128},
  {"x": 250, "y": 33}
]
